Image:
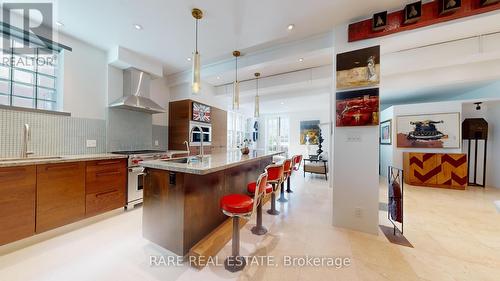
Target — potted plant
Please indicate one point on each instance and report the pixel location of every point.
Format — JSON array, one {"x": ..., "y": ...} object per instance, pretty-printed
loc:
[{"x": 244, "y": 147}]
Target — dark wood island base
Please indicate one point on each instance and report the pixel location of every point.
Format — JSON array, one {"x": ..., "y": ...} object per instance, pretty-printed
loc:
[{"x": 181, "y": 208}]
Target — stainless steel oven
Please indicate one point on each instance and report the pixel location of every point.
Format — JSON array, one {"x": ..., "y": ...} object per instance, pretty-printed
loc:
[
  {"x": 136, "y": 174},
  {"x": 196, "y": 135},
  {"x": 135, "y": 185}
]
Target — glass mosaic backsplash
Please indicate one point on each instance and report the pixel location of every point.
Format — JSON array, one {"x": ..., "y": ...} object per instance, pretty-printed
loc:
[{"x": 50, "y": 134}]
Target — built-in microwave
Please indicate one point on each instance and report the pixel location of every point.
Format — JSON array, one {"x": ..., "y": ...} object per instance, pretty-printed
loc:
[{"x": 196, "y": 135}]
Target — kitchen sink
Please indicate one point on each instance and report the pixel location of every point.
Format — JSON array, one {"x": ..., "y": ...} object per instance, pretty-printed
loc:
[
  {"x": 183, "y": 160},
  {"x": 30, "y": 158}
]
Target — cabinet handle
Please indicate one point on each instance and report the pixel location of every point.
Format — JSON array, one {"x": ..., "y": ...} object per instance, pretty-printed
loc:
[
  {"x": 101, "y": 174},
  {"x": 108, "y": 163},
  {"x": 14, "y": 171},
  {"x": 61, "y": 167},
  {"x": 106, "y": 193}
]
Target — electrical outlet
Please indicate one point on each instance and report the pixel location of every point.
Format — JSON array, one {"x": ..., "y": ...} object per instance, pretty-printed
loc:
[
  {"x": 358, "y": 212},
  {"x": 157, "y": 143},
  {"x": 91, "y": 143}
]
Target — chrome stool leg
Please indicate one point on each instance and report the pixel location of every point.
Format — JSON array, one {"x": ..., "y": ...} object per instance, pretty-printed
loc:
[
  {"x": 273, "y": 210},
  {"x": 282, "y": 198},
  {"x": 259, "y": 229},
  {"x": 235, "y": 262},
  {"x": 288, "y": 189}
]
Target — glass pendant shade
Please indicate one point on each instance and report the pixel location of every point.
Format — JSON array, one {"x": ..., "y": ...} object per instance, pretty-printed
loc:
[
  {"x": 256, "y": 109},
  {"x": 236, "y": 95},
  {"x": 196, "y": 83},
  {"x": 256, "y": 112}
]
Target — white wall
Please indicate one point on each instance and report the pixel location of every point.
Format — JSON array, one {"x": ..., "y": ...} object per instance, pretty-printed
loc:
[
  {"x": 84, "y": 80},
  {"x": 160, "y": 93},
  {"x": 355, "y": 163},
  {"x": 493, "y": 168},
  {"x": 386, "y": 151},
  {"x": 206, "y": 96}
]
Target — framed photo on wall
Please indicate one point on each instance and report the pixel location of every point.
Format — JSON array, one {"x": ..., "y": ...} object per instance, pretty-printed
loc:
[
  {"x": 386, "y": 132},
  {"x": 358, "y": 108},
  {"x": 309, "y": 132},
  {"x": 358, "y": 69},
  {"x": 429, "y": 131},
  {"x": 201, "y": 112}
]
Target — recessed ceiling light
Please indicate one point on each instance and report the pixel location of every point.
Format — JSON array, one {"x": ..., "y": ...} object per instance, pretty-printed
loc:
[
  {"x": 356, "y": 62},
  {"x": 188, "y": 59},
  {"x": 138, "y": 26},
  {"x": 291, "y": 26},
  {"x": 282, "y": 103},
  {"x": 58, "y": 23},
  {"x": 301, "y": 60},
  {"x": 218, "y": 77}
]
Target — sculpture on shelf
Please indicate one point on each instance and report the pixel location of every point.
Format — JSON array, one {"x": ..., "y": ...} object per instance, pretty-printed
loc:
[{"x": 320, "y": 145}]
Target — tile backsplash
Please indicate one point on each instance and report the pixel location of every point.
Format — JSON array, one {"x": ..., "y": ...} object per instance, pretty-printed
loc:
[{"x": 50, "y": 134}]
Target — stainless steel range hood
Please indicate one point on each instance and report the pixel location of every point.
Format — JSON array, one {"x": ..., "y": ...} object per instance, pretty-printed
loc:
[{"x": 136, "y": 86}]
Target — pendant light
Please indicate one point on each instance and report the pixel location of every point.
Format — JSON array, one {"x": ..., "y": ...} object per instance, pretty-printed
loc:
[
  {"x": 236, "y": 86},
  {"x": 196, "y": 82},
  {"x": 257, "y": 109}
]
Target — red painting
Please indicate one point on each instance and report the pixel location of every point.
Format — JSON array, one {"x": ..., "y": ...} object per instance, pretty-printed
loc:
[{"x": 358, "y": 108}]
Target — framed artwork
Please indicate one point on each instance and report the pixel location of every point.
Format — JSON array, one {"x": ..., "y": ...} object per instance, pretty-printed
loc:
[
  {"x": 358, "y": 69},
  {"x": 429, "y": 131},
  {"x": 379, "y": 21},
  {"x": 358, "y": 108},
  {"x": 413, "y": 12},
  {"x": 386, "y": 132},
  {"x": 488, "y": 2},
  {"x": 309, "y": 132},
  {"x": 448, "y": 6},
  {"x": 201, "y": 112}
]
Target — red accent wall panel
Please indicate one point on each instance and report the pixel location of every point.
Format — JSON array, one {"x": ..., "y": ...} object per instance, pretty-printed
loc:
[{"x": 430, "y": 15}]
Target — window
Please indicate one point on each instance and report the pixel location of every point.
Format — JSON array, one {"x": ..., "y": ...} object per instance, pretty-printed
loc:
[
  {"x": 278, "y": 133},
  {"x": 29, "y": 79},
  {"x": 235, "y": 129}
]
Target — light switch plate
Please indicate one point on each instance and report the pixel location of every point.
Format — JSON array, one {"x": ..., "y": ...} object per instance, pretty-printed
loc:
[
  {"x": 91, "y": 143},
  {"x": 157, "y": 143},
  {"x": 353, "y": 138}
]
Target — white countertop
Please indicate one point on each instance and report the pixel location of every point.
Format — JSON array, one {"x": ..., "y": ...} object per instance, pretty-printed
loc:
[
  {"x": 60, "y": 159},
  {"x": 211, "y": 163}
]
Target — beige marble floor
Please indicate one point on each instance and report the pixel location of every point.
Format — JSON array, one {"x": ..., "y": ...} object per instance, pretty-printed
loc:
[{"x": 456, "y": 236}]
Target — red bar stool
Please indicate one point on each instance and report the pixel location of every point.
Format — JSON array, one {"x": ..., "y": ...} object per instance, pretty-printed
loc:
[
  {"x": 239, "y": 206},
  {"x": 287, "y": 171},
  {"x": 259, "y": 229},
  {"x": 296, "y": 161},
  {"x": 275, "y": 178}
]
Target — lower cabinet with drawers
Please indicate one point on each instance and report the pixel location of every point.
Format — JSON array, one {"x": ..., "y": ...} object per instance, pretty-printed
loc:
[
  {"x": 37, "y": 198},
  {"x": 105, "y": 188}
]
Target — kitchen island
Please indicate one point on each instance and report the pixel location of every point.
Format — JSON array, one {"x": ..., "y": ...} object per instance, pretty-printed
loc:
[{"x": 181, "y": 196}]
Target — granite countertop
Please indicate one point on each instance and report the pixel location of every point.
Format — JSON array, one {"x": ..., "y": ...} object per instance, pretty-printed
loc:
[
  {"x": 211, "y": 163},
  {"x": 58, "y": 159}
]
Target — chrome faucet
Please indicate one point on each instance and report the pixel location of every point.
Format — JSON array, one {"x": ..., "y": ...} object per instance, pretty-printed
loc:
[
  {"x": 201, "y": 139},
  {"x": 187, "y": 147},
  {"x": 26, "y": 139}
]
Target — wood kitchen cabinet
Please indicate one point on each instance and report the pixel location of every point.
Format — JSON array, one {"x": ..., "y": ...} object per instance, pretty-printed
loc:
[
  {"x": 60, "y": 194},
  {"x": 179, "y": 116},
  {"x": 17, "y": 203},
  {"x": 105, "y": 186}
]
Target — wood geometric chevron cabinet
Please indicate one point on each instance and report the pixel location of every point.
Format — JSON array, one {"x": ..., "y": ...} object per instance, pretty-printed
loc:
[{"x": 436, "y": 170}]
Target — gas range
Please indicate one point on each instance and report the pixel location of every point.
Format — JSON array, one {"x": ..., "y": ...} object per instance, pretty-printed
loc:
[
  {"x": 137, "y": 156},
  {"x": 136, "y": 172}
]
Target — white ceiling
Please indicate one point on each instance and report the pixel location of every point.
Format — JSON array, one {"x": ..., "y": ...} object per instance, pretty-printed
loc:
[{"x": 168, "y": 33}]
